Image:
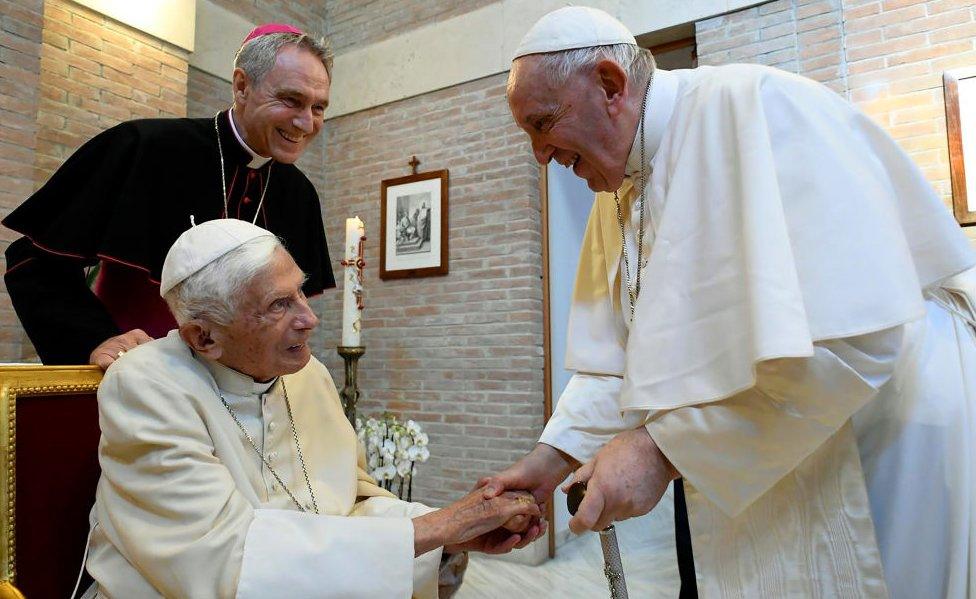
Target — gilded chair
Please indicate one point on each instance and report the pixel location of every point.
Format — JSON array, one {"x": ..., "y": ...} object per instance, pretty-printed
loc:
[{"x": 48, "y": 472}]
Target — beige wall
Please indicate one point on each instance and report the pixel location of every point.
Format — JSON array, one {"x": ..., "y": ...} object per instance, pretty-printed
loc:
[{"x": 171, "y": 21}]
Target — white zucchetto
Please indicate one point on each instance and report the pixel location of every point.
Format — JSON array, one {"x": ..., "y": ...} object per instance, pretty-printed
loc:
[
  {"x": 200, "y": 245},
  {"x": 573, "y": 27}
]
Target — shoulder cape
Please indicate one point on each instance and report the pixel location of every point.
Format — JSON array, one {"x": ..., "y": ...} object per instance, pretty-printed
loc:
[{"x": 127, "y": 194}]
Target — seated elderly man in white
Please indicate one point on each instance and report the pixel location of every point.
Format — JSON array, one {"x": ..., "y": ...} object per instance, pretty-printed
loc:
[{"x": 228, "y": 467}]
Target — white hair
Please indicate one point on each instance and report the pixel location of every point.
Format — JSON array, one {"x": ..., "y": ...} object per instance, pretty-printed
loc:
[
  {"x": 214, "y": 292},
  {"x": 258, "y": 56},
  {"x": 558, "y": 67}
]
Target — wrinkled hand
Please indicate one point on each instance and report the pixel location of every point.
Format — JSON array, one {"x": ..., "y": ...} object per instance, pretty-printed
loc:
[
  {"x": 516, "y": 533},
  {"x": 626, "y": 478},
  {"x": 108, "y": 351},
  {"x": 538, "y": 473},
  {"x": 474, "y": 523}
]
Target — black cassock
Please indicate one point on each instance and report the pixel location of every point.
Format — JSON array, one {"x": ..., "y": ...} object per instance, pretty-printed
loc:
[{"x": 122, "y": 200}]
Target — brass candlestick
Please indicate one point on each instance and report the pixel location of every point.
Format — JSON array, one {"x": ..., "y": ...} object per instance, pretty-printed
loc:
[{"x": 350, "y": 391}]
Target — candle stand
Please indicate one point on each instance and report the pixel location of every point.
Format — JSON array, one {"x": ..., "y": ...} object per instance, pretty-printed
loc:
[{"x": 350, "y": 391}]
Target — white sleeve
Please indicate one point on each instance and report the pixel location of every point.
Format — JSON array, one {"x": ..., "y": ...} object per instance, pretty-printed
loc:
[
  {"x": 173, "y": 510},
  {"x": 736, "y": 449},
  {"x": 366, "y": 554},
  {"x": 587, "y": 416}
]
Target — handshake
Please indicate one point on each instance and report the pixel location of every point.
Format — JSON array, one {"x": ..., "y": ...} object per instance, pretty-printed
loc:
[
  {"x": 626, "y": 478},
  {"x": 479, "y": 522}
]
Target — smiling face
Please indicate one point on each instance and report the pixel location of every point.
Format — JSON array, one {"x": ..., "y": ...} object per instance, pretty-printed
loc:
[
  {"x": 268, "y": 336},
  {"x": 281, "y": 114},
  {"x": 588, "y": 123}
]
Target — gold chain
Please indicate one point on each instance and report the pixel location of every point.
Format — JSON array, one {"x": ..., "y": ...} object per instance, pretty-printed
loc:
[
  {"x": 223, "y": 182},
  {"x": 294, "y": 432},
  {"x": 634, "y": 291}
]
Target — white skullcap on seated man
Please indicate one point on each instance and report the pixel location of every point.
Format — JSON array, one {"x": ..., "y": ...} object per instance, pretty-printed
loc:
[{"x": 228, "y": 466}]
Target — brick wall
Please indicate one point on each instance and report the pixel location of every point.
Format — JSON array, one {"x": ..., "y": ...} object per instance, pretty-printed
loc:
[
  {"x": 462, "y": 354},
  {"x": 355, "y": 23},
  {"x": 305, "y": 14},
  {"x": 795, "y": 35},
  {"x": 95, "y": 73},
  {"x": 67, "y": 74},
  {"x": 887, "y": 56},
  {"x": 206, "y": 94},
  {"x": 20, "y": 64}
]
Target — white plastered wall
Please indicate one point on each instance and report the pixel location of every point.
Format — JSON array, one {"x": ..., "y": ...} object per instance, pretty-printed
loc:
[
  {"x": 443, "y": 54},
  {"x": 481, "y": 43},
  {"x": 169, "y": 20}
]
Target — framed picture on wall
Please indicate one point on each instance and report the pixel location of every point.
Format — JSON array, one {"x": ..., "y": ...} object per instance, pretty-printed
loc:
[
  {"x": 960, "y": 101},
  {"x": 414, "y": 224}
]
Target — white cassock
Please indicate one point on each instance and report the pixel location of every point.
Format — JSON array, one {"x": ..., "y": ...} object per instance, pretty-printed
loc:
[
  {"x": 185, "y": 507},
  {"x": 803, "y": 348}
]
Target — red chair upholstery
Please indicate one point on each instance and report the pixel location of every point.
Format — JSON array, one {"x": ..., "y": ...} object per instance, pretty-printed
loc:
[{"x": 49, "y": 434}]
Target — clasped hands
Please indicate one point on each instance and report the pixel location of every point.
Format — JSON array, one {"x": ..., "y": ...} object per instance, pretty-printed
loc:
[
  {"x": 507, "y": 520},
  {"x": 626, "y": 478}
]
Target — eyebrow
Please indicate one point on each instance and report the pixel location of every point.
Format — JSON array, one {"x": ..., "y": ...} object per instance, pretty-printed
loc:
[
  {"x": 531, "y": 119},
  {"x": 277, "y": 294},
  {"x": 553, "y": 112},
  {"x": 288, "y": 91}
]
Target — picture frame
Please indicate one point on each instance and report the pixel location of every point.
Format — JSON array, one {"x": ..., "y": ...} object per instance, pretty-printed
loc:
[
  {"x": 414, "y": 226},
  {"x": 959, "y": 87}
]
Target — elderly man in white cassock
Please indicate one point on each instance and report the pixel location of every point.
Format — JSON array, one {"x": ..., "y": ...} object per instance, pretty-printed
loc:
[
  {"x": 228, "y": 467},
  {"x": 771, "y": 303}
]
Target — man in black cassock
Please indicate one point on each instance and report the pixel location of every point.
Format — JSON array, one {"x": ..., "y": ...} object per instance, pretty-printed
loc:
[{"x": 125, "y": 196}]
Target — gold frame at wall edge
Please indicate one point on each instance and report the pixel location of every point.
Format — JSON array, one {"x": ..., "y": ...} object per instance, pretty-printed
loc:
[{"x": 17, "y": 380}]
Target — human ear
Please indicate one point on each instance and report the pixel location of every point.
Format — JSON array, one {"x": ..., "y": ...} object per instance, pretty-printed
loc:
[
  {"x": 613, "y": 82},
  {"x": 240, "y": 82},
  {"x": 198, "y": 334}
]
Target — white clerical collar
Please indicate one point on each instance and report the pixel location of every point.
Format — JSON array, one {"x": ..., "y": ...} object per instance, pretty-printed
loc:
[
  {"x": 257, "y": 161},
  {"x": 660, "y": 105},
  {"x": 235, "y": 382}
]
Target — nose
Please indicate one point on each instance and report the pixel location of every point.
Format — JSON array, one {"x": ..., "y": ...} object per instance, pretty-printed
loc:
[
  {"x": 304, "y": 121},
  {"x": 543, "y": 153},
  {"x": 305, "y": 320}
]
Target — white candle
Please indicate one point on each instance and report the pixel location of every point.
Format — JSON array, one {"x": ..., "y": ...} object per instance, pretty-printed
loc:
[{"x": 352, "y": 316}]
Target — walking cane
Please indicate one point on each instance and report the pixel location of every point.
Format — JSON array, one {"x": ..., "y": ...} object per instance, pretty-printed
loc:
[{"x": 613, "y": 568}]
